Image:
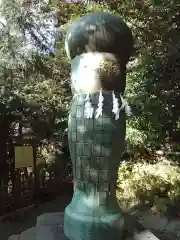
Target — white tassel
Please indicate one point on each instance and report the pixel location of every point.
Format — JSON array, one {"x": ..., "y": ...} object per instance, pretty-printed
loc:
[
  {"x": 88, "y": 112},
  {"x": 125, "y": 106},
  {"x": 116, "y": 108},
  {"x": 100, "y": 105},
  {"x": 128, "y": 110}
]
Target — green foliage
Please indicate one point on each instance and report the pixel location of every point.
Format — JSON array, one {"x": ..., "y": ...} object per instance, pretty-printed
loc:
[
  {"x": 153, "y": 86},
  {"x": 37, "y": 86},
  {"x": 33, "y": 85},
  {"x": 155, "y": 185},
  {"x": 153, "y": 76},
  {"x": 153, "y": 81}
]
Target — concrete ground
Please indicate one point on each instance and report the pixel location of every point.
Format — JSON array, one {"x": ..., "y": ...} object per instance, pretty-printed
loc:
[
  {"x": 8, "y": 228},
  {"x": 164, "y": 228}
]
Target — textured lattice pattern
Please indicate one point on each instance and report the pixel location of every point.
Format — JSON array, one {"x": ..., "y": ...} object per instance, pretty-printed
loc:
[{"x": 95, "y": 145}]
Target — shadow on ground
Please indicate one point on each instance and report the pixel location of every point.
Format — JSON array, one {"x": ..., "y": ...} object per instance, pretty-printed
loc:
[{"x": 8, "y": 228}]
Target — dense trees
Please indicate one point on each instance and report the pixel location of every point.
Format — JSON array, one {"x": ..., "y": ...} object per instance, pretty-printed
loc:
[
  {"x": 153, "y": 80},
  {"x": 34, "y": 76},
  {"x": 34, "y": 86}
]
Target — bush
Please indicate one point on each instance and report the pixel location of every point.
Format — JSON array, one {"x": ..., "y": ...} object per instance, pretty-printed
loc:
[{"x": 156, "y": 185}]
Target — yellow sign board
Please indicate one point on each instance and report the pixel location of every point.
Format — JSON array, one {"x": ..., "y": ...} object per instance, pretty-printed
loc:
[{"x": 24, "y": 156}]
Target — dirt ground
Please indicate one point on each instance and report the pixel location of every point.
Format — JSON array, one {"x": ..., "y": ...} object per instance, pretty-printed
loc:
[{"x": 8, "y": 228}]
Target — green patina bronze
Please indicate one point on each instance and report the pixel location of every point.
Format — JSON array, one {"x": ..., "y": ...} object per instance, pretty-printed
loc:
[
  {"x": 96, "y": 145},
  {"x": 100, "y": 32}
]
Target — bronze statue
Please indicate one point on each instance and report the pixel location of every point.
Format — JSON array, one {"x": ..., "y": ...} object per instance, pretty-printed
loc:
[{"x": 99, "y": 46}]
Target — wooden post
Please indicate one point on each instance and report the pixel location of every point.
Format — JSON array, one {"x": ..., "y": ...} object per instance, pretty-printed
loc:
[{"x": 35, "y": 188}]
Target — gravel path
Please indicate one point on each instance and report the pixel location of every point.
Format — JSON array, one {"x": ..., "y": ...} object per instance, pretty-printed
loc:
[{"x": 8, "y": 228}]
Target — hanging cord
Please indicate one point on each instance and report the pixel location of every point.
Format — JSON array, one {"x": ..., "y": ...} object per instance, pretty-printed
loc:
[{"x": 89, "y": 110}]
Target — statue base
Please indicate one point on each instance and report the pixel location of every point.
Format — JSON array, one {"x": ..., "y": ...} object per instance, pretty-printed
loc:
[
  {"x": 50, "y": 227},
  {"x": 93, "y": 227}
]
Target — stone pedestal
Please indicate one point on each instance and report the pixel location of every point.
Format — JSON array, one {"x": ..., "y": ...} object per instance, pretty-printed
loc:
[
  {"x": 29, "y": 234},
  {"x": 14, "y": 237},
  {"x": 49, "y": 226}
]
